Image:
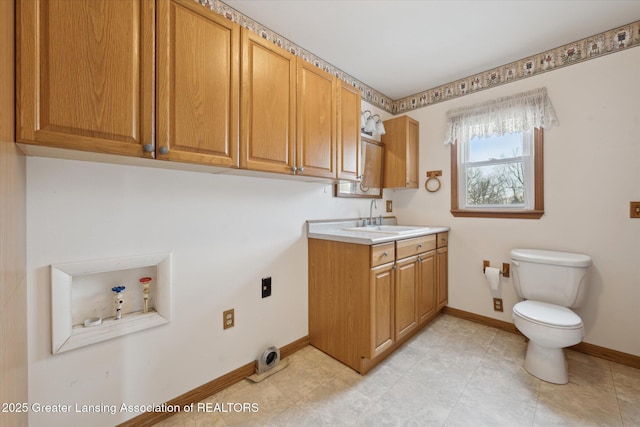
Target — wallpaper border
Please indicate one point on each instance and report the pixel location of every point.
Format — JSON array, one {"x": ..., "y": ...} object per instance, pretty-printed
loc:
[{"x": 605, "y": 43}]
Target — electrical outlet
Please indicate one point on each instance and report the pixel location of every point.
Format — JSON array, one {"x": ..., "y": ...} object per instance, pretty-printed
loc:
[
  {"x": 228, "y": 319},
  {"x": 497, "y": 304},
  {"x": 389, "y": 205},
  {"x": 266, "y": 287},
  {"x": 634, "y": 211}
]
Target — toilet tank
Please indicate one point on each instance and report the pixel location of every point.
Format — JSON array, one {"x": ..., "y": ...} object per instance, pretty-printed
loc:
[{"x": 550, "y": 276}]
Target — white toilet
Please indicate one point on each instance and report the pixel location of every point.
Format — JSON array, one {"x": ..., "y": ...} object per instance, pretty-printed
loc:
[{"x": 550, "y": 282}]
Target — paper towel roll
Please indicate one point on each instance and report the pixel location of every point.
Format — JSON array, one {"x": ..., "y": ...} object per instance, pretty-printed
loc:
[{"x": 493, "y": 277}]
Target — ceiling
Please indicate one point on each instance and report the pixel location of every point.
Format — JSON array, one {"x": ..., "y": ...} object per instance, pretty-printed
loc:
[{"x": 401, "y": 48}]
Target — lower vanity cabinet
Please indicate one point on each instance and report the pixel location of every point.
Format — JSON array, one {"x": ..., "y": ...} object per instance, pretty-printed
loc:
[
  {"x": 380, "y": 288},
  {"x": 442, "y": 270},
  {"x": 365, "y": 301},
  {"x": 406, "y": 292},
  {"x": 427, "y": 287},
  {"x": 382, "y": 319}
]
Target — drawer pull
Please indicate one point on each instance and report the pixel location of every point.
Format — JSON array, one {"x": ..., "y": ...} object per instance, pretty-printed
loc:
[
  {"x": 419, "y": 245},
  {"x": 385, "y": 253}
]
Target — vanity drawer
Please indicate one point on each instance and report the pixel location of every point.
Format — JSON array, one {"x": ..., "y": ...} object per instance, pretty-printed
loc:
[
  {"x": 443, "y": 239},
  {"x": 382, "y": 254},
  {"x": 417, "y": 245}
]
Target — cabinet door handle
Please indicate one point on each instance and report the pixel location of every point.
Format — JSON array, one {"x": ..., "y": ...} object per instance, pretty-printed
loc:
[
  {"x": 148, "y": 147},
  {"x": 395, "y": 267},
  {"x": 301, "y": 169},
  {"x": 294, "y": 169},
  {"x": 419, "y": 259},
  {"x": 164, "y": 150}
]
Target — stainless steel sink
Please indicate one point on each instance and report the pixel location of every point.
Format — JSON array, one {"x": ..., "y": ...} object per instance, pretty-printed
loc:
[{"x": 388, "y": 229}]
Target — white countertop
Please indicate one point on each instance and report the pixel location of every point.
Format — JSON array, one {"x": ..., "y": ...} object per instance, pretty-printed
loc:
[{"x": 335, "y": 230}]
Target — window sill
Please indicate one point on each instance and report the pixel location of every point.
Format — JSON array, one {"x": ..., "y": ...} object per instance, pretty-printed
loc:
[{"x": 534, "y": 214}]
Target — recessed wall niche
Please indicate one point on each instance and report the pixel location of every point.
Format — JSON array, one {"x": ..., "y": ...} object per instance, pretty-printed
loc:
[{"x": 82, "y": 291}]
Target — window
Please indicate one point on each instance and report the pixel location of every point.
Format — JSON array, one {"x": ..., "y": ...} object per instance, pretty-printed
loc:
[
  {"x": 499, "y": 176},
  {"x": 497, "y": 159}
]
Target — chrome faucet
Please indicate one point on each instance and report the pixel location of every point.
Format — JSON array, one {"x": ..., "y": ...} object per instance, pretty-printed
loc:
[{"x": 373, "y": 203}]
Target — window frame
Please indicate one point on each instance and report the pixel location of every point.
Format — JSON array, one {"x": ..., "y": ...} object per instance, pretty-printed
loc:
[{"x": 538, "y": 191}]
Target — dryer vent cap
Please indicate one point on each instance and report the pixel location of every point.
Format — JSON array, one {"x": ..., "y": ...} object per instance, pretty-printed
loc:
[{"x": 268, "y": 360}]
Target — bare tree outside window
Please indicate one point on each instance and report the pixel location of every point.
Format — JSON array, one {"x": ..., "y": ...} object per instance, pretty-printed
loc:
[
  {"x": 499, "y": 176},
  {"x": 496, "y": 182},
  {"x": 512, "y": 179}
]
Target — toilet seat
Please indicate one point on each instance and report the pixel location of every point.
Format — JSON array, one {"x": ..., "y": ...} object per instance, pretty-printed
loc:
[{"x": 546, "y": 314}]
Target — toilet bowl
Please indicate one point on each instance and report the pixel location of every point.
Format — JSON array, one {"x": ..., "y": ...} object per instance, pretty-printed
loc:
[
  {"x": 549, "y": 282},
  {"x": 549, "y": 328}
]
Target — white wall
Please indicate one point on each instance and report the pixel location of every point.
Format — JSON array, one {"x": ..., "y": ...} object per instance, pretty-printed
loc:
[
  {"x": 592, "y": 171},
  {"x": 225, "y": 233}
]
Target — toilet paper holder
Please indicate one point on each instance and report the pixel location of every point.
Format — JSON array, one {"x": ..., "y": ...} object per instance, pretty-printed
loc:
[{"x": 505, "y": 268}]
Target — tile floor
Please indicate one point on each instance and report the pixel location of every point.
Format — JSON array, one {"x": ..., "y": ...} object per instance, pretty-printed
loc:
[{"x": 453, "y": 373}]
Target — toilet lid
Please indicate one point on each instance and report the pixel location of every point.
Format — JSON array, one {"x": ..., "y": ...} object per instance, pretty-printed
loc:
[{"x": 547, "y": 314}]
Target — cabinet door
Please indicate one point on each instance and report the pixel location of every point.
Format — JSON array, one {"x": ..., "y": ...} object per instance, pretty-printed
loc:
[
  {"x": 268, "y": 111},
  {"x": 198, "y": 85},
  {"x": 382, "y": 313},
  {"x": 85, "y": 74},
  {"x": 401, "y": 152},
  {"x": 443, "y": 277},
  {"x": 412, "y": 154},
  {"x": 427, "y": 286},
  {"x": 406, "y": 318},
  {"x": 316, "y": 122},
  {"x": 348, "y": 143}
]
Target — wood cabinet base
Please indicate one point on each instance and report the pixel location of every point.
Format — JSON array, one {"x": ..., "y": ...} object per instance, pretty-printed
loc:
[{"x": 366, "y": 301}]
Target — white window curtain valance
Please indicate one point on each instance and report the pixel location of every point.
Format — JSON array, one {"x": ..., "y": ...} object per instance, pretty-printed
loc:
[{"x": 510, "y": 114}]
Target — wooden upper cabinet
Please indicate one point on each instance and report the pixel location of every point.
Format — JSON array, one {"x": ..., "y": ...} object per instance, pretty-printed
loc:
[
  {"x": 85, "y": 74},
  {"x": 290, "y": 114},
  {"x": 316, "y": 122},
  {"x": 268, "y": 111},
  {"x": 401, "y": 152},
  {"x": 348, "y": 134},
  {"x": 198, "y": 92},
  {"x": 172, "y": 80}
]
